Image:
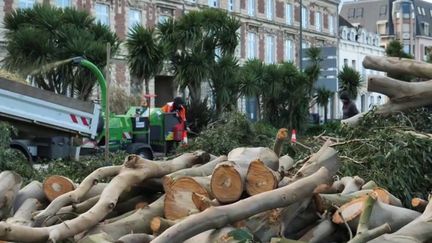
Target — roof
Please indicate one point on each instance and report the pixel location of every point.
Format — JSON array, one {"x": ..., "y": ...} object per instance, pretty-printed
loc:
[
  {"x": 365, "y": 13},
  {"x": 423, "y": 12},
  {"x": 344, "y": 22}
]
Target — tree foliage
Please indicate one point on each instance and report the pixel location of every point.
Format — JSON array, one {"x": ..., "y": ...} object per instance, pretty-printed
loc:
[
  {"x": 395, "y": 49},
  {"x": 39, "y": 40},
  {"x": 323, "y": 96},
  {"x": 145, "y": 55},
  {"x": 350, "y": 81}
]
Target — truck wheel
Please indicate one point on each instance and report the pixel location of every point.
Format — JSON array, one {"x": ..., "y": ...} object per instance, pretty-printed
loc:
[
  {"x": 144, "y": 153},
  {"x": 22, "y": 150}
]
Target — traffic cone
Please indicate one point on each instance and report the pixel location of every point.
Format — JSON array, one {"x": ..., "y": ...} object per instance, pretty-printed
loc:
[
  {"x": 293, "y": 136},
  {"x": 185, "y": 139}
]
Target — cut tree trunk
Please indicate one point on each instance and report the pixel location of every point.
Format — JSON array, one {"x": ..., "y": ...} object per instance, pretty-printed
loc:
[
  {"x": 178, "y": 198},
  {"x": 10, "y": 183},
  {"x": 137, "y": 222},
  {"x": 247, "y": 155},
  {"x": 159, "y": 225},
  {"x": 203, "y": 170},
  {"x": 32, "y": 190},
  {"x": 285, "y": 164},
  {"x": 402, "y": 95},
  {"x": 57, "y": 185},
  {"x": 213, "y": 235},
  {"x": 369, "y": 185},
  {"x": 136, "y": 238},
  {"x": 382, "y": 213},
  {"x": 398, "y": 66},
  {"x": 348, "y": 184},
  {"x": 202, "y": 202},
  {"x": 76, "y": 195},
  {"x": 228, "y": 181},
  {"x": 321, "y": 232},
  {"x": 134, "y": 170},
  {"x": 418, "y": 230},
  {"x": 217, "y": 217},
  {"x": 281, "y": 136},
  {"x": 23, "y": 216},
  {"x": 260, "y": 178},
  {"x": 419, "y": 204}
]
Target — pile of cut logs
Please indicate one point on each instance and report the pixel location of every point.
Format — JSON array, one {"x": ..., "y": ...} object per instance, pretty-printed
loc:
[{"x": 198, "y": 197}]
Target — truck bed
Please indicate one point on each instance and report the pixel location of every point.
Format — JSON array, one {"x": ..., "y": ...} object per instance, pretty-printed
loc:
[{"x": 36, "y": 106}]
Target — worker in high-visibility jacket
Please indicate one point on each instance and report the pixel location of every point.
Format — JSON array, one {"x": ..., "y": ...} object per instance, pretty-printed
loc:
[{"x": 177, "y": 106}]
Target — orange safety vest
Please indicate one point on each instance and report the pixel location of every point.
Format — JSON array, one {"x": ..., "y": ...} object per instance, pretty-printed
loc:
[{"x": 181, "y": 113}]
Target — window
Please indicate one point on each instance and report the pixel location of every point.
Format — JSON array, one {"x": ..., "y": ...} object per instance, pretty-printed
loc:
[
  {"x": 134, "y": 17},
  {"x": 288, "y": 13},
  {"x": 359, "y": 13},
  {"x": 430, "y": 11},
  {"x": 423, "y": 12},
  {"x": 305, "y": 17},
  {"x": 406, "y": 48},
  {"x": 102, "y": 13},
  {"x": 251, "y": 7},
  {"x": 230, "y": 5},
  {"x": 351, "y": 13},
  {"x": 26, "y": 3},
  {"x": 318, "y": 26},
  {"x": 353, "y": 64},
  {"x": 251, "y": 46},
  {"x": 425, "y": 28},
  {"x": 345, "y": 62},
  {"x": 371, "y": 102},
  {"x": 383, "y": 10},
  {"x": 213, "y": 3},
  {"x": 406, "y": 10},
  {"x": 269, "y": 9},
  {"x": 63, "y": 3},
  {"x": 289, "y": 50},
  {"x": 163, "y": 18},
  {"x": 270, "y": 49},
  {"x": 331, "y": 24},
  {"x": 419, "y": 10}
]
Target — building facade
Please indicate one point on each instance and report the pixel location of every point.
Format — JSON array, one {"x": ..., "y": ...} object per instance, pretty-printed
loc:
[
  {"x": 404, "y": 20},
  {"x": 269, "y": 28},
  {"x": 354, "y": 45}
]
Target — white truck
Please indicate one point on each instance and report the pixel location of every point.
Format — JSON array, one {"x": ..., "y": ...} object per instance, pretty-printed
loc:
[{"x": 46, "y": 122}]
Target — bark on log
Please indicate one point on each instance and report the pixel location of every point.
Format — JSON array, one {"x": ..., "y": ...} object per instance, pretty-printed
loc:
[
  {"x": 295, "y": 225},
  {"x": 57, "y": 185},
  {"x": 136, "y": 238},
  {"x": 137, "y": 222},
  {"x": 134, "y": 170},
  {"x": 178, "y": 199},
  {"x": 202, "y": 202},
  {"x": 10, "y": 183},
  {"x": 402, "y": 95},
  {"x": 285, "y": 164},
  {"x": 217, "y": 217},
  {"x": 213, "y": 235},
  {"x": 260, "y": 178},
  {"x": 76, "y": 195},
  {"x": 281, "y": 136},
  {"x": 320, "y": 233},
  {"x": 246, "y": 155},
  {"x": 159, "y": 225},
  {"x": 369, "y": 185},
  {"x": 325, "y": 157},
  {"x": 382, "y": 213},
  {"x": 349, "y": 184},
  {"x": 418, "y": 230},
  {"x": 398, "y": 66},
  {"x": 32, "y": 190},
  {"x": 364, "y": 234},
  {"x": 325, "y": 202},
  {"x": 419, "y": 204},
  {"x": 23, "y": 216}
]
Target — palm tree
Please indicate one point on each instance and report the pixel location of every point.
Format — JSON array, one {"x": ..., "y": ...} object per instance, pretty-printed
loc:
[
  {"x": 40, "y": 39},
  {"x": 395, "y": 49},
  {"x": 313, "y": 70},
  {"x": 350, "y": 81},
  {"x": 323, "y": 97},
  {"x": 251, "y": 81},
  {"x": 145, "y": 55},
  {"x": 192, "y": 42}
]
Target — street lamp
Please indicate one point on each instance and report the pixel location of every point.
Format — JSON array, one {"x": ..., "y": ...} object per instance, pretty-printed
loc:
[{"x": 301, "y": 36}]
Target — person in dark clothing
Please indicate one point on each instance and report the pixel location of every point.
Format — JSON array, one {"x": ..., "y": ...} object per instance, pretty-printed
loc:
[{"x": 349, "y": 108}]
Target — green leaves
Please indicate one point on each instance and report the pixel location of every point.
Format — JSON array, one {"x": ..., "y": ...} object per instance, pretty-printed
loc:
[
  {"x": 350, "y": 81},
  {"x": 44, "y": 35}
]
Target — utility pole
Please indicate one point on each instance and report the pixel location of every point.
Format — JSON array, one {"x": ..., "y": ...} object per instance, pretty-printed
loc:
[
  {"x": 107, "y": 108},
  {"x": 301, "y": 36}
]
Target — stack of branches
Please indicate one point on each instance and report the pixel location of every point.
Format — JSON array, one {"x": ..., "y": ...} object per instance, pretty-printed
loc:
[{"x": 252, "y": 194}]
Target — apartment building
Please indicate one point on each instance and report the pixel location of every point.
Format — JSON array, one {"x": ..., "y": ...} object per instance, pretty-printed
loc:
[
  {"x": 405, "y": 20},
  {"x": 269, "y": 29}
]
